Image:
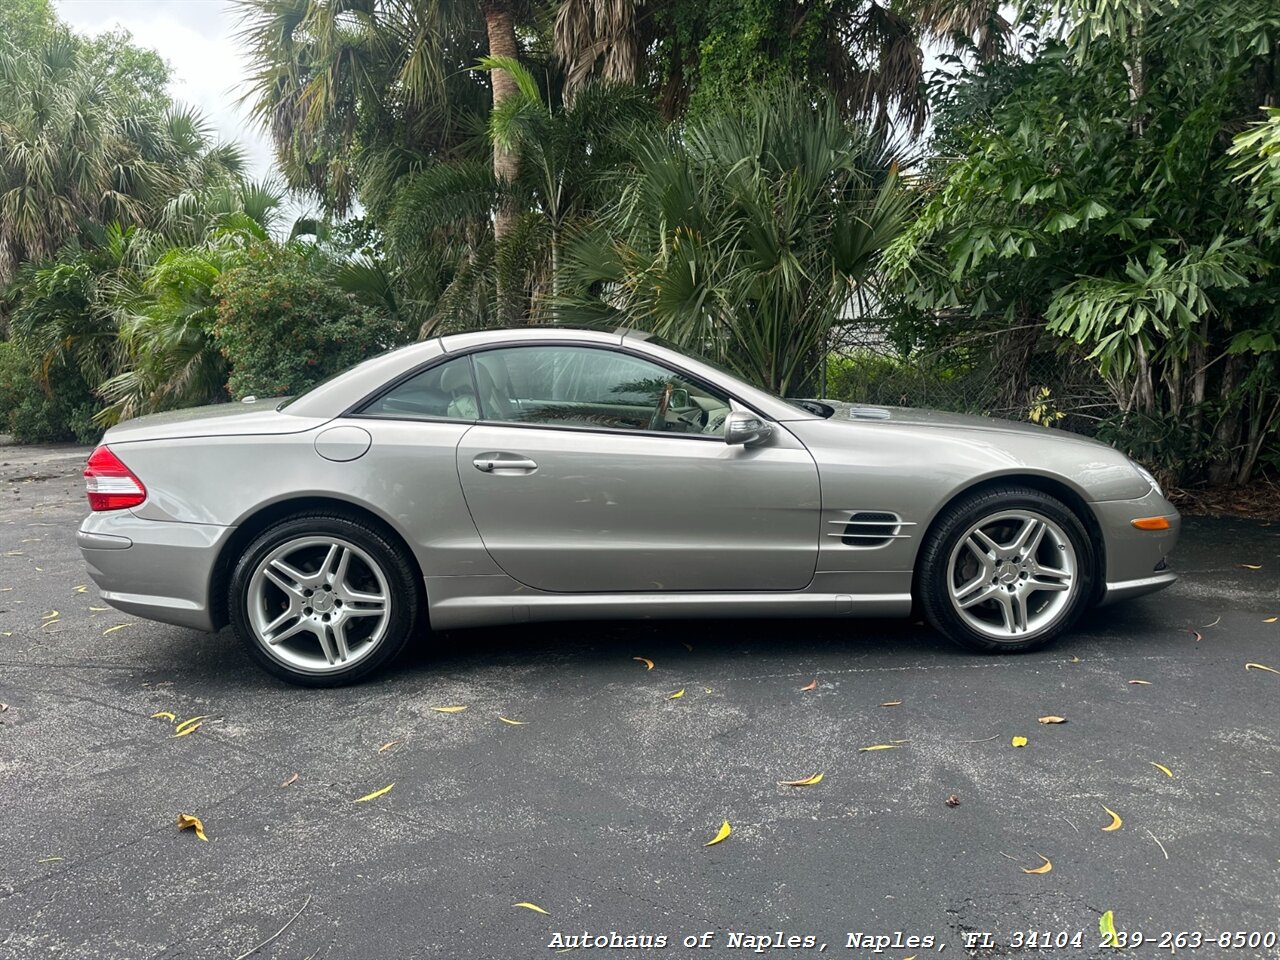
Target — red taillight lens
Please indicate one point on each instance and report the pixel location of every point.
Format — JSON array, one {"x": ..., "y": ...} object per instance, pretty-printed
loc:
[{"x": 110, "y": 484}]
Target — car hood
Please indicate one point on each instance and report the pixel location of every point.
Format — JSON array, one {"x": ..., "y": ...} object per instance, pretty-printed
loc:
[
  {"x": 256, "y": 417},
  {"x": 918, "y": 417}
]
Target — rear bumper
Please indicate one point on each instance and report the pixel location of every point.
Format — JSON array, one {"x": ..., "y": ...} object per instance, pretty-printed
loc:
[
  {"x": 151, "y": 568},
  {"x": 1136, "y": 560}
]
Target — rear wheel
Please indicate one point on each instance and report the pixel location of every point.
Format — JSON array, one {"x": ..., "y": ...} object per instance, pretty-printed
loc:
[
  {"x": 323, "y": 600},
  {"x": 1006, "y": 570}
]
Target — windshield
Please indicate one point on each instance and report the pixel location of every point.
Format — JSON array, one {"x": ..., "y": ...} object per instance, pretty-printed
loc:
[{"x": 693, "y": 353}]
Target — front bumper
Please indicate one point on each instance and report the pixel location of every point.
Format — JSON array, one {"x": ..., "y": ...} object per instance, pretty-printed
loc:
[
  {"x": 1136, "y": 560},
  {"x": 152, "y": 568}
]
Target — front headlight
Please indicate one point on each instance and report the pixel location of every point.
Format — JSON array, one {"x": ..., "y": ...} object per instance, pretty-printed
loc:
[{"x": 1147, "y": 476}]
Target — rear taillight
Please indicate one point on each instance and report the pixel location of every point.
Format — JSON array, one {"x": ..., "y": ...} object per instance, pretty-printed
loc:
[{"x": 110, "y": 484}]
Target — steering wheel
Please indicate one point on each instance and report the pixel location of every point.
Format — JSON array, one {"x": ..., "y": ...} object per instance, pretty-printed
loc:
[{"x": 659, "y": 418}]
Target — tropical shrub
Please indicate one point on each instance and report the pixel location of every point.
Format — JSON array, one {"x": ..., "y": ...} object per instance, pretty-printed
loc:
[{"x": 282, "y": 326}]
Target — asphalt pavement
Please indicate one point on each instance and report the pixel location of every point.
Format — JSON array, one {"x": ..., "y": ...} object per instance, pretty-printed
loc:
[{"x": 596, "y": 807}]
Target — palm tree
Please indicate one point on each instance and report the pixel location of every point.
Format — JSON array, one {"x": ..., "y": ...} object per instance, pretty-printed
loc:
[{"x": 747, "y": 236}]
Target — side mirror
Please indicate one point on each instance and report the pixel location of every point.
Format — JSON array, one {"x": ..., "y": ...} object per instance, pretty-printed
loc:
[{"x": 743, "y": 427}]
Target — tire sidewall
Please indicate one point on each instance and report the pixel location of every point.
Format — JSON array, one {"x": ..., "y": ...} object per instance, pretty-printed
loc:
[
  {"x": 934, "y": 593},
  {"x": 402, "y": 599}
]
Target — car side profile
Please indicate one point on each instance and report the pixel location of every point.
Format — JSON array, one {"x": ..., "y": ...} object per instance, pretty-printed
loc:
[{"x": 540, "y": 474}]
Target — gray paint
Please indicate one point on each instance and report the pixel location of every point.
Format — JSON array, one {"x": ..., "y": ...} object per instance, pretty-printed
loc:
[{"x": 609, "y": 523}]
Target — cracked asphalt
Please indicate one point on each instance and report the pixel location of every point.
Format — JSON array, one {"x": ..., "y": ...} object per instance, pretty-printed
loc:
[{"x": 598, "y": 807}]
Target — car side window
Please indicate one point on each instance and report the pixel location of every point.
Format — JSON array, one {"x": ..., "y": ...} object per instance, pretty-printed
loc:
[
  {"x": 446, "y": 390},
  {"x": 594, "y": 388}
]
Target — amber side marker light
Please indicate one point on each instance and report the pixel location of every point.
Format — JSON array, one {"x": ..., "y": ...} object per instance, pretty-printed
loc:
[{"x": 1151, "y": 523}]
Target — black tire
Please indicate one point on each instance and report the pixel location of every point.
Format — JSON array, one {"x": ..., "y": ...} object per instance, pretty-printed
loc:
[
  {"x": 405, "y": 595},
  {"x": 933, "y": 593}
]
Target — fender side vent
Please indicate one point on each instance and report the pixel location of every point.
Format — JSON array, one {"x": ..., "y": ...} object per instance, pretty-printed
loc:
[{"x": 870, "y": 528}]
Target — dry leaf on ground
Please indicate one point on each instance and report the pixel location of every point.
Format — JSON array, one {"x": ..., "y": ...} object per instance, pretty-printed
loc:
[
  {"x": 163, "y": 715},
  {"x": 953, "y": 801},
  {"x": 811, "y": 685},
  {"x": 1250, "y": 566},
  {"x": 291, "y": 781},
  {"x": 648, "y": 664},
  {"x": 186, "y": 820},
  {"x": 1141, "y": 683},
  {"x": 878, "y": 746},
  {"x": 186, "y": 725},
  {"x": 448, "y": 709},
  {"x": 1052, "y": 719},
  {"x": 530, "y": 906},
  {"x": 514, "y": 723},
  {"x": 892, "y": 703},
  {"x": 118, "y": 626},
  {"x": 374, "y": 795},
  {"x": 388, "y": 745},
  {"x": 1162, "y": 768},
  {"x": 677, "y": 695},
  {"x": 806, "y": 782},
  {"x": 722, "y": 834},
  {"x": 1018, "y": 741},
  {"x": 1043, "y": 868},
  {"x": 1260, "y": 666},
  {"x": 1115, "y": 824}
]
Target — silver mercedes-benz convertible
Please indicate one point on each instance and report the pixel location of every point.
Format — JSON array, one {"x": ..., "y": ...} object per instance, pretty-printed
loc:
[{"x": 543, "y": 474}]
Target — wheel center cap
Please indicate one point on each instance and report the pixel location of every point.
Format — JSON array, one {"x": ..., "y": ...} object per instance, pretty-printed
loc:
[
  {"x": 322, "y": 601},
  {"x": 1007, "y": 572}
]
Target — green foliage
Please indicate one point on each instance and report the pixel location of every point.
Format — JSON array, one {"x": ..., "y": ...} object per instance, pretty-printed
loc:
[
  {"x": 746, "y": 237},
  {"x": 1094, "y": 199},
  {"x": 62, "y": 410},
  {"x": 282, "y": 327}
]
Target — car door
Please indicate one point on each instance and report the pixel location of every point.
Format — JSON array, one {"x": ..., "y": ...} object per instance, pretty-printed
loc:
[{"x": 595, "y": 470}]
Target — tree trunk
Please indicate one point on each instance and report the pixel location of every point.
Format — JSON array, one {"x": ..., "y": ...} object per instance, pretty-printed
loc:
[
  {"x": 500, "y": 24},
  {"x": 1227, "y": 434}
]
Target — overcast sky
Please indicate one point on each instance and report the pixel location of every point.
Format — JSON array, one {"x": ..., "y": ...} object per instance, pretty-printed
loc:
[{"x": 197, "y": 38}]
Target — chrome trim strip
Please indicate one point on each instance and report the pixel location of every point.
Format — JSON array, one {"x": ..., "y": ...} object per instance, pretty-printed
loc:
[{"x": 1136, "y": 588}]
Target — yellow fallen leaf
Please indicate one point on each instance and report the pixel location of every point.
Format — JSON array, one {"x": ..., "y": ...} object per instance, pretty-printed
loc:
[
  {"x": 1075, "y": 659},
  {"x": 1250, "y": 566},
  {"x": 181, "y": 728},
  {"x": 1043, "y": 868},
  {"x": 648, "y": 664},
  {"x": 50, "y": 859},
  {"x": 51, "y": 615},
  {"x": 1162, "y": 768},
  {"x": 448, "y": 709},
  {"x": 812, "y": 685},
  {"x": 530, "y": 906},
  {"x": 375, "y": 794},
  {"x": 514, "y": 723},
  {"x": 49, "y": 623},
  {"x": 189, "y": 730},
  {"x": 388, "y": 745},
  {"x": 99, "y": 609},
  {"x": 878, "y": 746},
  {"x": 164, "y": 715},
  {"x": 1107, "y": 927},
  {"x": 118, "y": 626},
  {"x": 806, "y": 782},
  {"x": 677, "y": 695},
  {"x": 1053, "y": 719},
  {"x": 1259, "y": 666},
  {"x": 1144, "y": 683},
  {"x": 186, "y": 820},
  {"x": 892, "y": 703},
  {"x": 1271, "y": 619},
  {"x": 7, "y": 633},
  {"x": 706, "y": 689},
  {"x": 1115, "y": 824},
  {"x": 723, "y": 834},
  {"x": 1018, "y": 741},
  {"x": 82, "y": 588}
]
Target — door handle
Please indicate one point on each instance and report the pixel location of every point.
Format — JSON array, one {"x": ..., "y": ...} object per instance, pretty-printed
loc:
[{"x": 492, "y": 464}]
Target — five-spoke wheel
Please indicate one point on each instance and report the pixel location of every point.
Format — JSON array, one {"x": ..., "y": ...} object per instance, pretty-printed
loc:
[
  {"x": 1005, "y": 569},
  {"x": 323, "y": 600}
]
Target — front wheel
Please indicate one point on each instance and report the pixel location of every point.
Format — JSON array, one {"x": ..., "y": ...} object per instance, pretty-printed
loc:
[
  {"x": 323, "y": 600},
  {"x": 1006, "y": 570}
]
